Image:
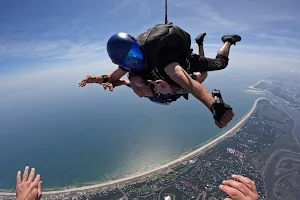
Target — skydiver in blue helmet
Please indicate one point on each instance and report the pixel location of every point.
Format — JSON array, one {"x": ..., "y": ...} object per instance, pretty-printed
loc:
[
  {"x": 163, "y": 53},
  {"x": 159, "y": 91}
]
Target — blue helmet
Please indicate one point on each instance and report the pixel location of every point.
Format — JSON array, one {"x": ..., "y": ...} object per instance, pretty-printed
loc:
[{"x": 125, "y": 51}]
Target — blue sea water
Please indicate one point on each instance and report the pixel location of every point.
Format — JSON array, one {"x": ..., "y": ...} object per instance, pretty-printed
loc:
[{"x": 74, "y": 136}]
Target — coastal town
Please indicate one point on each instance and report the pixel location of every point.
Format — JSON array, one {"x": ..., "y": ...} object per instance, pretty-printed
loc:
[{"x": 247, "y": 149}]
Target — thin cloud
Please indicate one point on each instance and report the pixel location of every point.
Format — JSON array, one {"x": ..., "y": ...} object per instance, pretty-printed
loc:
[
  {"x": 258, "y": 49},
  {"x": 281, "y": 39},
  {"x": 212, "y": 14},
  {"x": 50, "y": 39},
  {"x": 206, "y": 16},
  {"x": 272, "y": 17},
  {"x": 124, "y": 4},
  {"x": 256, "y": 56},
  {"x": 51, "y": 50},
  {"x": 242, "y": 16}
]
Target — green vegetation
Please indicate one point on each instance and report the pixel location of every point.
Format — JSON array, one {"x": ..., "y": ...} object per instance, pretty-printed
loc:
[{"x": 169, "y": 177}]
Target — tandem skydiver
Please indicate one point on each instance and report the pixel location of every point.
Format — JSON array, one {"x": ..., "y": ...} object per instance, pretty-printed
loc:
[
  {"x": 163, "y": 53},
  {"x": 161, "y": 90},
  {"x": 158, "y": 91}
]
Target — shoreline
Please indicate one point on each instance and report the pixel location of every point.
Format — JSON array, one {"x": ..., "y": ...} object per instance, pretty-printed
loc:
[
  {"x": 260, "y": 81},
  {"x": 156, "y": 169}
]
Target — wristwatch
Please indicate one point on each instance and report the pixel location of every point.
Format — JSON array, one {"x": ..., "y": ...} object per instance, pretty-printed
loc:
[{"x": 105, "y": 78}]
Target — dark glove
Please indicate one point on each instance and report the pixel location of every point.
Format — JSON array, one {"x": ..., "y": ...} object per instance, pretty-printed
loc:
[{"x": 219, "y": 107}]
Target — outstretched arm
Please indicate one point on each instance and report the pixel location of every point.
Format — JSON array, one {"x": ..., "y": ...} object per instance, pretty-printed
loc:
[{"x": 115, "y": 76}]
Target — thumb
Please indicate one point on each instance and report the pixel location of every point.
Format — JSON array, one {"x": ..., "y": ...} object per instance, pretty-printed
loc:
[
  {"x": 152, "y": 82},
  {"x": 161, "y": 82}
]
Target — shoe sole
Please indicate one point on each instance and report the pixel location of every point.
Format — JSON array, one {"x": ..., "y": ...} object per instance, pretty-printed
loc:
[{"x": 236, "y": 38}]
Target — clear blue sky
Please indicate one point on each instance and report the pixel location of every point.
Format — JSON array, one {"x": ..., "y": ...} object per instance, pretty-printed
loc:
[{"x": 37, "y": 35}]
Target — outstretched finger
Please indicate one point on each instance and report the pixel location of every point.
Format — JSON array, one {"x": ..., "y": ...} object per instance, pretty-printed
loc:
[
  {"x": 31, "y": 175},
  {"x": 40, "y": 189},
  {"x": 82, "y": 83},
  {"x": 248, "y": 182},
  {"x": 37, "y": 180},
  {"x": 25, "y": 174},
  {"x": 232, "y": 192},
  {"x": 104, "y": 86},
  {"x": 18, "y": 178},
  {"x": 111, "y": 87},
  {"x": 239, "y": 186}
]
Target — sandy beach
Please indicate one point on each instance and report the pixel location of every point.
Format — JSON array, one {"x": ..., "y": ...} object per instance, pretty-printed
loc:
[{"x": 135, "y": 176}]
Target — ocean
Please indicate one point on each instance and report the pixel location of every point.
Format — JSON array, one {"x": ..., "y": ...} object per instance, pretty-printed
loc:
[{"x": 75, "y": 136}]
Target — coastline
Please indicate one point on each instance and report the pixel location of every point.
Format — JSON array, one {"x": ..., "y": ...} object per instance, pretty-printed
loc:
[
  {"x": 185, "y": 157},
  {"x": 260, "y": 81}
]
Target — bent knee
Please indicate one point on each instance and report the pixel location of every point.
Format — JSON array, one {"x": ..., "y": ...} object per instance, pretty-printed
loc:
[{"x": 223, "y": 61}]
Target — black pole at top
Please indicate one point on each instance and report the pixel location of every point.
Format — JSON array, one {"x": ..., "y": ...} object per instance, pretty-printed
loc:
[{"x": 166, "y": 11}]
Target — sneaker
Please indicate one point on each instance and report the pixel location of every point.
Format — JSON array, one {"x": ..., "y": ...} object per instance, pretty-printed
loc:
[
  {"x": 231, "y": 38},
  {"x": 199, "y": 39}
]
